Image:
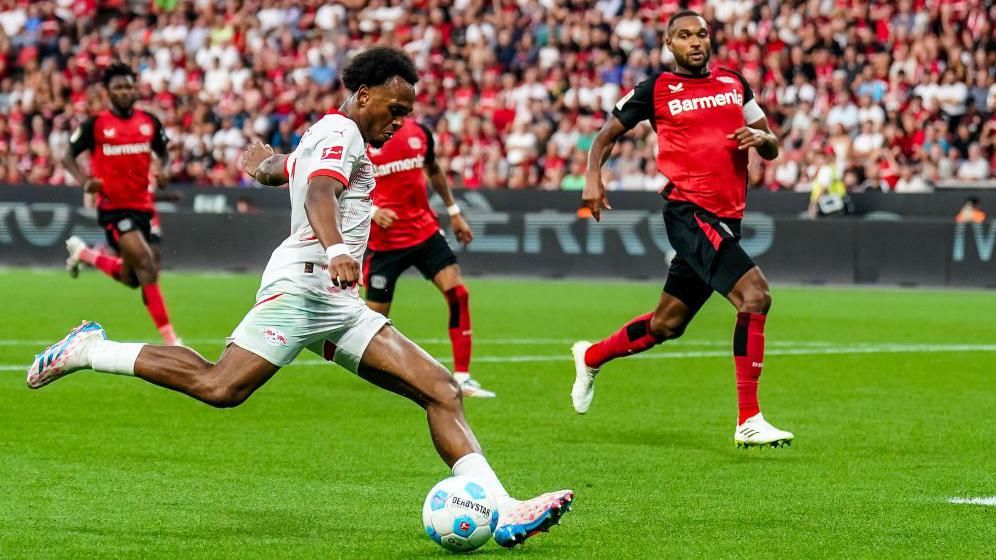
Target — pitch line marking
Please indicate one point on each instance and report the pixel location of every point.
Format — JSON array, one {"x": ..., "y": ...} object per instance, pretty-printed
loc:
[
  {"x": 980, "y": 501},
  {"x": 565, "y": 357}
]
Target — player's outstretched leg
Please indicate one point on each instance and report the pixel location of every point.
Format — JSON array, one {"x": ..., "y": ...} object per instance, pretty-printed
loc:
[
  {"x": 752, "y": 299},
  {"x": 227, "y": 383},
  {"x": 395, "y": 363},
  {"x": 450, "y": 284},
  {"x": 667, "y": 322}
]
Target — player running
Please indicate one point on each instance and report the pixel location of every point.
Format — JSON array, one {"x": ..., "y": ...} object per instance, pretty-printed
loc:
[
  {"x": 121, "y": 141},
  {"x": 406, "y": 233},
  {"x": 700, "y": 117},
  {"x": 309, "y": 297}
]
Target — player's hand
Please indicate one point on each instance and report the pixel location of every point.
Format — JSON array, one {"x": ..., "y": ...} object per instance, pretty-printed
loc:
[
  {"x": 93, "y": 185},
  {"x": 253, "y": 156},
  {"x": 344, "y": 271},
  {"x": 384, "y": 217},
  {"x": 593, "y": 196},
  {"x": 162, "y": 181},
  {"x": 461, "y": 230},
  {"x": 748, "y": 137}
]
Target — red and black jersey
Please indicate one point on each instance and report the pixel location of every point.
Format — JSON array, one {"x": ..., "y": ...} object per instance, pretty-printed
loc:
[
  {"x": 121, "y": 151},
  {"x": 402, "y": 187},
  {"x": 693, "y": 117}
]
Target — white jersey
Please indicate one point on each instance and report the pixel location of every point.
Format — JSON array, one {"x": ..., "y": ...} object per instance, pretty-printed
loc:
[{"x": 333, "y": 147}]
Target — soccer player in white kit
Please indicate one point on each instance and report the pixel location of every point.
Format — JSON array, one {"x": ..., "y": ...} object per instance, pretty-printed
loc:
[{"x": 309, "y": 298}]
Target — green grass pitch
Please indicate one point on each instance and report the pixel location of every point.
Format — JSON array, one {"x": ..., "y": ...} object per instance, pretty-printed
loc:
[{"x": 890, "y": 393}]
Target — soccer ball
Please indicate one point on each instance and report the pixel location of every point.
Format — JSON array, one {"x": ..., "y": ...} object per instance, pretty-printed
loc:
[{"x": 459, "y": 514}]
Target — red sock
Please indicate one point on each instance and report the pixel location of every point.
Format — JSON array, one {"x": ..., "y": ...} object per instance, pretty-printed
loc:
[
  {"x": 153, "y": 299},
  {"x": 107, "y": 264},
  {"x": 460, "y": 336},
  {"x": 634, "y": 337},
  {"x": 748, "y": 357}
]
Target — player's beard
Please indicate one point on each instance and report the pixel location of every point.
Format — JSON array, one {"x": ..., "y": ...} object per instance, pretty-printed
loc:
[{"x": 693, "y": 66}]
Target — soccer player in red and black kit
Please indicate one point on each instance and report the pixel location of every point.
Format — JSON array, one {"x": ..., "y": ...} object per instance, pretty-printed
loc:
[
  {"x": 121, "y": 141},
  {"x": 706, "y": 121},
  {"x": 406, "y": 233}
]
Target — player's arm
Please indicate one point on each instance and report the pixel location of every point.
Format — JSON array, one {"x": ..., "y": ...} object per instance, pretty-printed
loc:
[
  {"x": 634, "y": 107},
  {"x": 439, "y": 184},
  {"x": 593, "y": 196},
  {"x": 80, "y": 141},
  {"x": 757, "y": 134},
  {"x": 322, "y": 206},
  {"x": 159, "y": 145},
  {"x": 267, "y": 168}
]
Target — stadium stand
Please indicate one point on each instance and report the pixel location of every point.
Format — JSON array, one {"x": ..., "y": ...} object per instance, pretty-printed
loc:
[{"x": 890, "y": 95}]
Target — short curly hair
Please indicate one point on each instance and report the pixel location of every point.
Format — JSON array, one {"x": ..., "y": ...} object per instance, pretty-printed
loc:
[
  {"x": 377, "y": 65},
  {"x": 117, "y": 68}
]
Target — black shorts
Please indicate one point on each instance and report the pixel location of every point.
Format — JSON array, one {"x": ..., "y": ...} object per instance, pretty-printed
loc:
[
  {"x": 381, "y": 269},
  {"x": 119, "y": 222},
  {"x": 708, "y": 254}
]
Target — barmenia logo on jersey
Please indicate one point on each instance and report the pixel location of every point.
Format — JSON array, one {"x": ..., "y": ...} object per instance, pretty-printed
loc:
[
  {"x": 677, "y": 106},
  {"x": 125, "y": 149},
  {"x": 400, "y": 165}
]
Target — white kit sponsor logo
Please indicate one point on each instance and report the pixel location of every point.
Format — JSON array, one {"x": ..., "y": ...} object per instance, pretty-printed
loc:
[
  {"x": 726, "y": 80},
  {"x": 398, "y": 166},
  {"x": 677, "y": 106},
  {"x": 274, "y": 337},
  {"x": 125, "y": 149},
  {"x": 676, "y": 88},
  {"x": 145, "y": 130}
]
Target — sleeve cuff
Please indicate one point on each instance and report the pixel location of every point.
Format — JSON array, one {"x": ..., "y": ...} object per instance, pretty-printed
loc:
[
  {"x": 752, "y": 112},
  {"x": 329, "y": 173}
]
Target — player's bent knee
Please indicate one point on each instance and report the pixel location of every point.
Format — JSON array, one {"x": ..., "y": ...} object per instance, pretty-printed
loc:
[
  {"x": 667, "y": 328},
  {"x": 446, "y": 392},
  {"x": 756, "y": 301},
  {"x": 223, "y": 396}
]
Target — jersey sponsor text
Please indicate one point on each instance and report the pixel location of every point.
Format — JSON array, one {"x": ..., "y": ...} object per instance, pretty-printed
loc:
[
  {"x": 396, "y": 166},
  {"x": 125, "y": 149},
  {"x": 677, "y": 106}
]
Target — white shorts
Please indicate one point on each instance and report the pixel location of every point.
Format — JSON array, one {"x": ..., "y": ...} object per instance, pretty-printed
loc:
[{"x": 280, "y": 325}]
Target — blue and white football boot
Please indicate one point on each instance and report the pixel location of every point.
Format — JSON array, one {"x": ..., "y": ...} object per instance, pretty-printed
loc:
[
  {"x": 525, "y": 519},
  {"x": 66, "y": 356}
]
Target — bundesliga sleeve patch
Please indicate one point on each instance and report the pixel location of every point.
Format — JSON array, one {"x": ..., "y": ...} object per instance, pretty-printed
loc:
[{"x": 335, "y": 152}]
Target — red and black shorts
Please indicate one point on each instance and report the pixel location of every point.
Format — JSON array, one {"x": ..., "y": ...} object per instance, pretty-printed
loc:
[
  {"x": 381, "y": 269},
  {"x": 119, "y": 222},
  {"x": 708, "y": 254}
]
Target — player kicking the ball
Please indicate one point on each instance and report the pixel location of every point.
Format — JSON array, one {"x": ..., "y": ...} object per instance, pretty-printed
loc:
[
  {"x": 706, "y": 121},
  {"x": 405, "y": 233},
  {"x": 309, "y": 297}
]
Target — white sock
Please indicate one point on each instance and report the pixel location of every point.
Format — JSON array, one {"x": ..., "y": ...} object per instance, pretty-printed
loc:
[
  {"x": 114, "y": 357},
  {"x": 461, "y": 376},
  {"x": 475, "y": 466}
]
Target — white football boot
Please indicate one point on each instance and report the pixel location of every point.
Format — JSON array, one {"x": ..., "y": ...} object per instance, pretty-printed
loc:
[
  {"x": 584, "y": 378},
  {"x": 74, "y": 246},
  {"x": 525, "y": 519},
  {"x": 66, "y": 356},
  {"x": 471, "y": 388},
  {"x": 757, "y": 432}
]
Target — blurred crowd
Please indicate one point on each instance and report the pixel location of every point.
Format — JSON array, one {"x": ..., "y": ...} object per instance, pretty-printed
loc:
[{"x": 886, "y": 94}]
